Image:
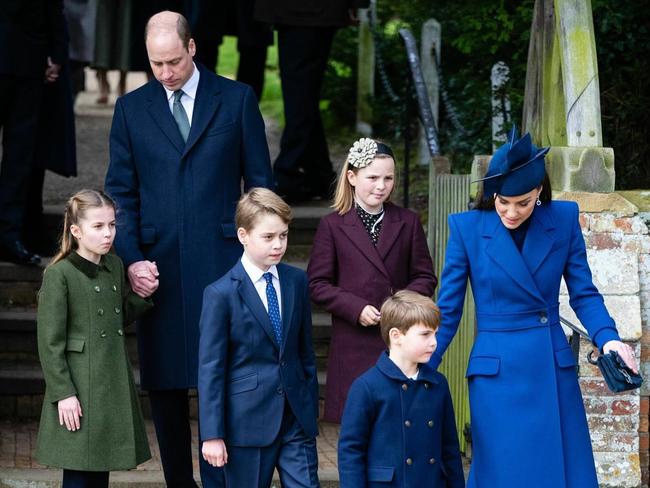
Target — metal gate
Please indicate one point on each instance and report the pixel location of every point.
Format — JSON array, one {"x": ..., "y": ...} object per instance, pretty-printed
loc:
[{"x": 450, "y": 194}]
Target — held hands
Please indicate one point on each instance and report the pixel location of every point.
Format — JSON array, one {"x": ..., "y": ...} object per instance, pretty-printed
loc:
[
  {"x": 69, "y": 413},
  {"x": 143, "y": 276},
  {"x": 623, "y": 350},
  {"x": 369, "y": 316},
  {"x": 52, "y": 71},
  {"x": 215, "y": 453}
]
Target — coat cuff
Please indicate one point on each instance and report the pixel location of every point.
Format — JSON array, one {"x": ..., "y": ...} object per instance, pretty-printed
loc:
[{"x": 604, "y": 335}]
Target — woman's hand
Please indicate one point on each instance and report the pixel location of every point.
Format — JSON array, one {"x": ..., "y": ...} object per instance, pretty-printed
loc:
[
  {"x": 369, "y": 316},
  {"x": 623, "y": 350},
  {"x": 69, "y": 413}
]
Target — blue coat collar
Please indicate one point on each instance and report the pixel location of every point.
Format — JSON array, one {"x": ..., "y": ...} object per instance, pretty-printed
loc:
[{"x": 390, "y": 369}]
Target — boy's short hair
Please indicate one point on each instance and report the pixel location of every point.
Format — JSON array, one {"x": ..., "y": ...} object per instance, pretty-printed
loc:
[
  {"x": 257, "y": 202},
  {"x": 405, "y": 309}
]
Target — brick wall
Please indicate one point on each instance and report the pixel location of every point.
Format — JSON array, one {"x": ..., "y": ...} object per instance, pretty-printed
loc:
[{"x": 618, "y": 250}]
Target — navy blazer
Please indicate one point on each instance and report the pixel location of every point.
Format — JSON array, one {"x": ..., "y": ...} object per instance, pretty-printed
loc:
[
  {"x": 244, "y": 375},
  {"x": 399, "y": 432},
  {"x": 176, "y": 204}
]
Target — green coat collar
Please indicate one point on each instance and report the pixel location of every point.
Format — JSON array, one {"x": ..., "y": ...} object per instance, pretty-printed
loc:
[{"x": 90, "y": 269}]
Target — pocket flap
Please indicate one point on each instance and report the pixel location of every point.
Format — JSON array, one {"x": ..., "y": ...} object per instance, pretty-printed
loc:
[
  {"x": 75, "y": 345},
  {"x": 242, "y": 384},
  {"x": 564, "y": 358},
  {"x": 229, "y": 229},
  {"x": 483, "y": 365},
  {"x": 147, "y": 235},
  {"x": 380, "y": 473}
]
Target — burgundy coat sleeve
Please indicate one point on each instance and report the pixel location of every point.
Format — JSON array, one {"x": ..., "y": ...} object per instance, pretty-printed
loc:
[
  {"x": 421, "y": 276},
  {"x": 322, "y": 273}
]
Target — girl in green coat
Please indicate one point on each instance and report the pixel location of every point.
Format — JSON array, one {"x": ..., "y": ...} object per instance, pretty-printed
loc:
[{"x": 91, "y": 421}]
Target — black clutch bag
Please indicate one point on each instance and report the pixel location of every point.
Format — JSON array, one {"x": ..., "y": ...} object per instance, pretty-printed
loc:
[{"x": 616, "y": 373}]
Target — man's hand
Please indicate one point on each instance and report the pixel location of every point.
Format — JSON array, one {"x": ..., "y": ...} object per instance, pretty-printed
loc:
[
  {"x": 69, "y": 413},
  {"x": 215, "y": 453},
  {"x": 52, "y": 71},
  {"x": 143, "y": 276}
]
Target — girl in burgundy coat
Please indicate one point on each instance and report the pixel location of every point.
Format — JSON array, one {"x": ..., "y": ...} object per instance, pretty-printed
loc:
[{"x": 363, "y": 253}]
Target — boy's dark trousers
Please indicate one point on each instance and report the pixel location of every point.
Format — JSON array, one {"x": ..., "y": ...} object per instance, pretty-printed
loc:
[
  {"x": 293, "y": 453},
  {"x": 84, "y": 479}
]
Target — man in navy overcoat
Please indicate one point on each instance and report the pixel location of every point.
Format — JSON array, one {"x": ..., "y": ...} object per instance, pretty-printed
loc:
[{"x": 180, "y": 147}]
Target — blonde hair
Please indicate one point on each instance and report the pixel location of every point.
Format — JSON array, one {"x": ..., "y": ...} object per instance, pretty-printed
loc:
[
  {"x": 344, "y": 194},
  {"x": 405, "y": 309},
  {"x": 260, "y": 201},
  {"x": 75, "y": 209}
]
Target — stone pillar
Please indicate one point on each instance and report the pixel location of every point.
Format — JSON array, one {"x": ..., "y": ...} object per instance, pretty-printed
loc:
[
  {"x": 365, "y": 74},
  {"x": 618, "y": 250},
  {"x": 500, "y": 104}
]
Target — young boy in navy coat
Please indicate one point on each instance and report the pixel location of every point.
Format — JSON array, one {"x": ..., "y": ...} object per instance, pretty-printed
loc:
[
  {"x": 258, "y": 392},
  {"x": 398, "y": 426}
]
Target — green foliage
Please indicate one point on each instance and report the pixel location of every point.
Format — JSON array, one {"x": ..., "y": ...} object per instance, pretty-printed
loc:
[{"x": 475, "y": 35}]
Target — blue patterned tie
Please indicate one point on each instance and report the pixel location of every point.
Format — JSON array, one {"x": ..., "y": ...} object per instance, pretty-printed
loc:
[
  {"x": 180, "y": 116},
  {"x": 274, "y": 307}
]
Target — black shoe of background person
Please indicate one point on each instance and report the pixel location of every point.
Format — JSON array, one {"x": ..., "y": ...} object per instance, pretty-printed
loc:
[{"x": 15, "y": 252}]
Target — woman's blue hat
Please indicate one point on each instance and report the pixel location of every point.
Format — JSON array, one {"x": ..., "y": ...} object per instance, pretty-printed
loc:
[{"x": 516, "y": 168}]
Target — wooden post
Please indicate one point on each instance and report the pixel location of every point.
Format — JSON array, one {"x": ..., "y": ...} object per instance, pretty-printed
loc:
[
  {"x": 429, "y": 54},
  {"x": 365, "y": 73},
  {"x": 500, "y": 104}
]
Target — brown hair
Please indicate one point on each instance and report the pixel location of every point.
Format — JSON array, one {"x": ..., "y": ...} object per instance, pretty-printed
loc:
[
  {"x": 259, "y": 201},
  {"x": 75, "y": 209},
  {"x": 182, "y": 27},
  {"x": 405, "y": 309},
  {"x": 344, "y": 194}
]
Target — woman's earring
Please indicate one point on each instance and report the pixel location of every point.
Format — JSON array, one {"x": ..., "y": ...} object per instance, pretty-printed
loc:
[{"x": 538, "y": 202}]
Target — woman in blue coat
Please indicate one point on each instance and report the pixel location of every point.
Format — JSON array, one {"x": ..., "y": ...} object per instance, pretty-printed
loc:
[{"x": 528, "y": 420}]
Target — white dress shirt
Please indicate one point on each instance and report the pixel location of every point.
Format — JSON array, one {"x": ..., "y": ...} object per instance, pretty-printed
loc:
[
  {"x": 189, "y": 94},
  {"x": 257, "y": 277}
]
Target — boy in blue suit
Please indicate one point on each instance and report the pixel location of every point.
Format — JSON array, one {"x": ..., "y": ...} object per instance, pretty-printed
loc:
[
  {"x": 258, "y": 392},
  {"x": 398, "y": 426}
]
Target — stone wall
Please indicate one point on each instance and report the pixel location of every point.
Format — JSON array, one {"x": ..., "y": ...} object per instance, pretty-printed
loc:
[{"x": 618, "y": 250}]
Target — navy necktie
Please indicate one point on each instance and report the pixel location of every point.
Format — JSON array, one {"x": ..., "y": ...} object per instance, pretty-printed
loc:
[{"x": 274, "y": 307}]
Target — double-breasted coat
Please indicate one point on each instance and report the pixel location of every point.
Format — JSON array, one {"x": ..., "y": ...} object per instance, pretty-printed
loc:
[
  {"x": 528, "y": 420},
  {"x": 399, "y": 432},
  {"x": 176, "y": 206},
  {"x": 347, "y": 272},
  {"x": 83, "y": 309}
]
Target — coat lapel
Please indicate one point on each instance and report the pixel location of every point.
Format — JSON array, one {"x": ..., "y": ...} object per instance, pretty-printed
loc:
[
  {"x": 288, "y": 303},
  {"x": 501, "y": 248},
  {"x": 252, "y": 300},
  {"x": 206, "y": 104},
  {"x": 391, "y": 228},
  {"x": 539, "y": 238},
  {"x": 353, "y": 228},
  {"x": 158, "y": 108}
]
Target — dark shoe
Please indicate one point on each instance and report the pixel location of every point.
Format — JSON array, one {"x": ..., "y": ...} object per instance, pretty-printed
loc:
[{"x": 16, "y": 253}]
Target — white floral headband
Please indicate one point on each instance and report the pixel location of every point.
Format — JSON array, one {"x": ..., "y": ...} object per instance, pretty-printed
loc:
[{"x": 364, "y": 151}]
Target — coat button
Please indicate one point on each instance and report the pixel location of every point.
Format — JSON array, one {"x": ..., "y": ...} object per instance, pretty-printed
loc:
[
  {"x": 114, "y": 288},
  {"x": 431, "y": 461},
  {"x": 97, "y": 288},
  {"x": 405, "y": 386},
  {"x": 117, "y": 310},
  {"x": 102, "y": 334},
  {"x": 279, "y": 390},
  {"x": 407, "y": 423},
  {"x": 426, "y": 386},
  {"x": 120, "y": 332},
  {"x": 430, "y": 423},
  {"x": 543, "y": 318},
  {"x": 100, "y": 312},
  {"x": 409, "y": 461}
]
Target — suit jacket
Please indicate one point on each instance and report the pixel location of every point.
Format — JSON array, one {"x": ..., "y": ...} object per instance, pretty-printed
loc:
[
  {"x": 30, "y": 31},
  {"x": 244, "y": 375},
  {"x": 347, "y": 272},
  {"x": 310, "y": 13},
  {"x": 399, "y": 432},
  {"x": 176, "y": 203},
  {"x": 528, "y": 416}
]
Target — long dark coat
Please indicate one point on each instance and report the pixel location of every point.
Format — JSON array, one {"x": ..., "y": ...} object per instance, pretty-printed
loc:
[
  {"x": 82, "y": 311},
  {"x": 528, "y": 420},
  {"x": 346, "y": 273},
  {"x": 176, "y": 205},
  {"x": 309, "y": 13}
]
